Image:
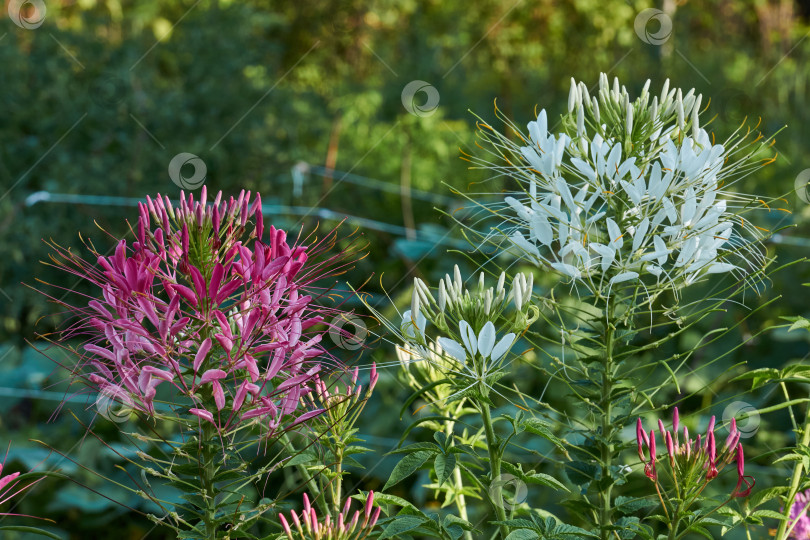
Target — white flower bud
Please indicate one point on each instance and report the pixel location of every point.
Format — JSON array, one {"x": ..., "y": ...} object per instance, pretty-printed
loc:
[
  {"x": 629, "y": 125},
  {"x": 488, "y": 302},
  {"x": 415, "y": 299},
  {"x": 580, "y": 120},
  {"x": 442, "y": 296},
  {"x": 679, "y": 111},
  {"x": 665, "y": 92},
  {"x": 695, "y": 119},
  {"x": 458, "y": 283},
  {"x": 596, "y": 110},
  {"x": 646, "y": 89},
  {"x": 501, "y": 279},
  {"x": 480, "y": 283},
  {"x": 573, "y": 96},
  {"x": 517, "y": 293},
  {"x": 654, "y": 109},
  {"x": 584, "y": 96}
]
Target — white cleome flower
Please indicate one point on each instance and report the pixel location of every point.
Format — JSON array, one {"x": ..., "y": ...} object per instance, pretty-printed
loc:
[
  {"x": 636, "y": 196},
  {"x": 484, "y": 344}
]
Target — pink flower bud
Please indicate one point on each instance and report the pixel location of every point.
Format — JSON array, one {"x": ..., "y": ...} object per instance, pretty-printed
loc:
[
  {"x": 286, "y": 526},
  {"x": 641, "y": 438}
]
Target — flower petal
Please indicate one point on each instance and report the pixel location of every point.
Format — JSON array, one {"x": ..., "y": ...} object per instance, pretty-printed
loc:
[
  {"x": 453, "y": 348},
  {"x": 486, "y": 339},
  {"x": 503, "y": 346}
]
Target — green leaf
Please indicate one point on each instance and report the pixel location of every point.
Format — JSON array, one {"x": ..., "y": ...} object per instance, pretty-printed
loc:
[
  {"x": 769, "y": 514},
  {"x": 30, "y": 530},
  {"x": 545, "y": 480},
  {"x": 629, "y": 505},
  {"x": 523, "y": 534},
  {"x": 385, "y": 498},
  {"x": 444, "y": 465},
  {"x": 407, "y": 466},
  {"x": 301, "y": 458},
  {"x": 538, "y": 427},
  {"x": 402, "y": 524},
  {"x": 415, "y": 447}
]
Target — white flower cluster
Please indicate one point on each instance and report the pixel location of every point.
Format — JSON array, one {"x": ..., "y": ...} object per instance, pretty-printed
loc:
[
  {"x": 473, "y": 332},
  {"x": 627, "y": 197}
]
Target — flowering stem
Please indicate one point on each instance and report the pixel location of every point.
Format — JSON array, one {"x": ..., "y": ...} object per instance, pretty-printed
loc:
[
  {"x": 207, "y": 477},
  {"x": 338, "y": 485},
  {"x": 607, "y": 426},
  {"x": 494, "y": 466},
  {"x": 461, "y": 500},
  {"x": 795, "y": 480}
]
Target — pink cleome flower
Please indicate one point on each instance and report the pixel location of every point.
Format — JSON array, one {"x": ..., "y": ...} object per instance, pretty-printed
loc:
[
  {"x": 799, "y": 518},
  {"x": 10, "y": 487},
  {"x": 691, "y": 455},
  {"x": 208, "y": 302},
  {"x": 344, "y": 527}
]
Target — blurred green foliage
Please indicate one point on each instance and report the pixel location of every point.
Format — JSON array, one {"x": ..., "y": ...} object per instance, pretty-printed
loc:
[{"x": 98, "y": 100}]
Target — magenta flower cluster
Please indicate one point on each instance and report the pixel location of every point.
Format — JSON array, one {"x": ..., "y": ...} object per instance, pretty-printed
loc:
[
  {"x": 694, "y": 461},
  {"x": 799, "y": 518},
  {"x": 207, "y": 302}
]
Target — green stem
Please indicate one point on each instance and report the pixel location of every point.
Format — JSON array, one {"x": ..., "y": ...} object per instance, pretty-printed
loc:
[
  {"x": 494, "y": 466},
  {"x": 461, "y": 500},
  {"x": 207, "y": 478},
  {"x": 606, "y": 405},
  {"x": 338, "y": 485},
  {"x": 795, "y": 480}
]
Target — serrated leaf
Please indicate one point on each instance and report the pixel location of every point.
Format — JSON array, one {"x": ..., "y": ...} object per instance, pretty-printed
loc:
[
  {"x": 536, "y": 426},
  {"x": 523, "y": 534},
  {"x": 629, "y": 505}
]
